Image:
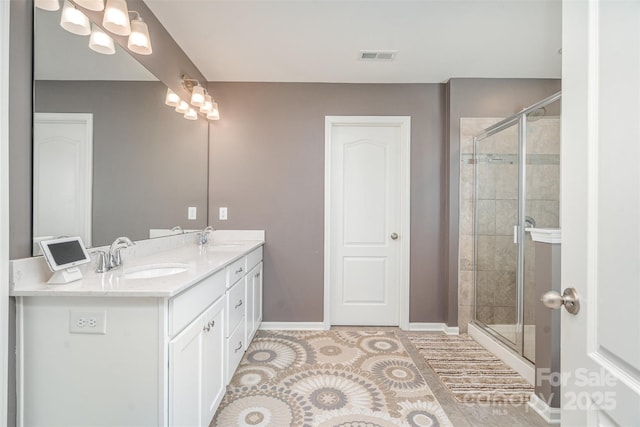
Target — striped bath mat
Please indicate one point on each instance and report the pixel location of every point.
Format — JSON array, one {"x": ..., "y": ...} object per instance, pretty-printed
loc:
[{"x": 469, "y": 371}]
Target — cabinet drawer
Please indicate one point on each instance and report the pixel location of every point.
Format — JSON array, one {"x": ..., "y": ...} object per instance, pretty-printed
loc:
[
  {"x": 236, "y": 271},
  {"x": 235, "y": 350},
  {"x": 254, "y": 258},
  {"x": 186, "y": 306},
  {"x": 236, "y": 304}
]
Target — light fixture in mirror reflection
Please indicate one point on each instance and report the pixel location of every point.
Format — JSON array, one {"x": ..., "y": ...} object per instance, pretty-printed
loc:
[
  {"x": 199, "y": 98},
  {"x": 143, "y": 166},
  {"x": 115, "y": 19}
]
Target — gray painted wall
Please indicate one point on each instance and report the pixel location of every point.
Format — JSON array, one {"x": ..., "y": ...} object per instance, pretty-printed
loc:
[
  {"x": 20, "y": 93},
  {"x": 150, "y": 164},
  {"x": 477, "y": 98},
  {"x": 267, "y": 167}
]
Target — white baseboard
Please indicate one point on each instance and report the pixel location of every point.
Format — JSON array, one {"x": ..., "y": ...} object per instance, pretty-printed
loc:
[
  {"x": 292, "y": 326},
  {"x": 433, "y": 327},
  {"x": 549, "y": 414},
  {"x": 517, "y": 363}
]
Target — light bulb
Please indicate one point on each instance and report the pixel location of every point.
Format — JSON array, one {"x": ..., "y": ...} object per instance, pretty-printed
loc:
[
  {"x": 74, "y": 21},
  {"x": 139, "y": 40},
  {"x": 197, "y": 96},
  {"x": 208, "y": 104},
  {"x": 116, "y": 17},
  {"x": 100, "y": 41},
  {"x": 183, "y": 107},
  {"x": 172, "y": 99},
  {"x": 191, "y": 114},
  {"x": 214, "y": 114}
]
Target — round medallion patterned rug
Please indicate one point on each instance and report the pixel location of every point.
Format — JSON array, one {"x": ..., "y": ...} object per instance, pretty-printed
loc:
[{"x": 342, "y": 377}]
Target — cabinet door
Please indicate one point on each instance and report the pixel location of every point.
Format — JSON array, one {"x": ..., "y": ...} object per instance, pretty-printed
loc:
[
  {"x": 185, "y": 376},
  {"x": 213, "y": 359},
  {"x": 254, "y": 302},
  {"x": 257, "y": 297}
]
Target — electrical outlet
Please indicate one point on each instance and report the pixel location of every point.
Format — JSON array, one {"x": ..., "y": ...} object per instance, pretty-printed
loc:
[
  {"x": 84, "y": 322},
  {"x": 192, "y": 212},
  {"x": 222, "y": 215}
]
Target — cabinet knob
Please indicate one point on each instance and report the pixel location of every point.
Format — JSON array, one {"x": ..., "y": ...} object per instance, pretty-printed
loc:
[
  {"x": 240, "y": 270},
  {"x": 239, "y": 304}
]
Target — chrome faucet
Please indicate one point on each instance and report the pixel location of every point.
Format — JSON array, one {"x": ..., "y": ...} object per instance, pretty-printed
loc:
[
  {"x": 203, "y": 236},
  {"x": 114, "y": 251}
]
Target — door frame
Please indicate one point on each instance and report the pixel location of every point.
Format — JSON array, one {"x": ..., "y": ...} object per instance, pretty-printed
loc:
[
  {"x": 4, "y": 209},
  {"x": 87, "y": 120},
  {"x": 404, "y": 122}
]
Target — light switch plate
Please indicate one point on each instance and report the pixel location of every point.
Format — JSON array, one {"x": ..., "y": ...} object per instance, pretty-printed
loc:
[
  {"x": 192, "y": 212},
  {"x": 223, "y": 214}
]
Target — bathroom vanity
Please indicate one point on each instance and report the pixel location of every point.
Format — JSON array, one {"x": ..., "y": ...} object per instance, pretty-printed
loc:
[{"x": 112, "y": 349}]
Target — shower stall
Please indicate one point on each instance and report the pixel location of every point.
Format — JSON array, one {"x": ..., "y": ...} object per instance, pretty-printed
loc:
[{"x": 516, "y": 186}]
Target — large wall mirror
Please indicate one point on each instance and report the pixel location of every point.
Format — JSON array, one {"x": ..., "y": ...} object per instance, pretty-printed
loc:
[{"x": 110, "y": 159}]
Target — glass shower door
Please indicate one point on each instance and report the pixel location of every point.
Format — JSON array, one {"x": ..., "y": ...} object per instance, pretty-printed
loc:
[
  {"x": 542, "y": 203},
  {"x": 495, "y": 216}
]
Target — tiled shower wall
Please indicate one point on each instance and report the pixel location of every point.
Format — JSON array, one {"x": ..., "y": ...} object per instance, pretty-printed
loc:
[{"x": 497, "y": 213}]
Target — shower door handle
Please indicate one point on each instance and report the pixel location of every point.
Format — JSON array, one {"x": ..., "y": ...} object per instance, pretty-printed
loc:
[{"x": 569, "y": 298}]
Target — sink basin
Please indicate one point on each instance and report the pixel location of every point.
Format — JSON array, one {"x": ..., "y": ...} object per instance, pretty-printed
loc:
[{"x": 155, "y": 270}]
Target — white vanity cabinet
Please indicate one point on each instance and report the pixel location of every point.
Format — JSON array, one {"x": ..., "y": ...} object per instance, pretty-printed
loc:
[
  {"x": 152, "y": 359},
  {"x": 196, "y": 369}
]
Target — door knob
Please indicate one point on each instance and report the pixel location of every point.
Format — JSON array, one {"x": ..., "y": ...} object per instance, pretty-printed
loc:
[
  {"x": 394, "y": 236},
  {"x": 569, "y": 299}
]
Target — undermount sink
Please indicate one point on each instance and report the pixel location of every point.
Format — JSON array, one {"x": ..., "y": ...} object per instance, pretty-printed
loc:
[{"x": 151, "y": 271}]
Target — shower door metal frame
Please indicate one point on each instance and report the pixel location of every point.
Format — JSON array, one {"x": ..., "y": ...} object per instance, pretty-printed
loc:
[{"x": 519, "y": 119}]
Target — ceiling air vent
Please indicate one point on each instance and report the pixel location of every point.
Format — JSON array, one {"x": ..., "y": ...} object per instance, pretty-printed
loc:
[{"x": 377, "y": 55}]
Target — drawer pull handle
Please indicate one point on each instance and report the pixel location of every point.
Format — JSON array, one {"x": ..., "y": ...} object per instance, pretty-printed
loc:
[
  {"x": 240, "y": 270},
  {"x": 209, "y": 325},
  {"x": 239, "y": 304},
  {"x": 239, "y": 347}
]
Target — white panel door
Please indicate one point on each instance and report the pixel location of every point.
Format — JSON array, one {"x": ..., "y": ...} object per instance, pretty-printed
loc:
[
  {"x": 366, "y": 224},
  {"x": 601, "y": 212},
  {"x": 62, "y": 177}
]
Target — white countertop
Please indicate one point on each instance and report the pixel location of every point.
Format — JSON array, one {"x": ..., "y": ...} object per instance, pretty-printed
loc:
[{"x": 202, "y": 261}]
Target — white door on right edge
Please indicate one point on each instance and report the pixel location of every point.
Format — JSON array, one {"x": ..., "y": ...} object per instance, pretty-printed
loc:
[
  {"x": 600, "y": 349},
  {"x": 365, "y": 202}
]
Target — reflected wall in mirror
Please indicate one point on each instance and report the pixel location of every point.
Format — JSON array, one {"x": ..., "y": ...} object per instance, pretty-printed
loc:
[{"x": 144, "y": 166}]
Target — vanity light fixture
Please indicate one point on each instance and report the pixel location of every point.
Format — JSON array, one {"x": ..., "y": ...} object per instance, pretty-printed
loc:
[
  {"x": 208, "y": 104},
  {"x": 191, "y": 114},
  {"x": 182, "y": 108},
  {"x": 139, "y": 40},
  {"x": 172, "y": 99},
  {"x": 50, "y": 5},
  {"x": 74, "y": 21},
  {"x": 95, "y": 5},
  {"x": 100, "y": 41},
  {"x": 197, "y": 96},
  {"x": 214, "y": 114},
  {"x": 116, "y": 17}
]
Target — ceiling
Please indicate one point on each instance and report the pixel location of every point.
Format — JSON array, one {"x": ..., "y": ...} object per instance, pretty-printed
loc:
[{"x": 320, "y": 40}]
